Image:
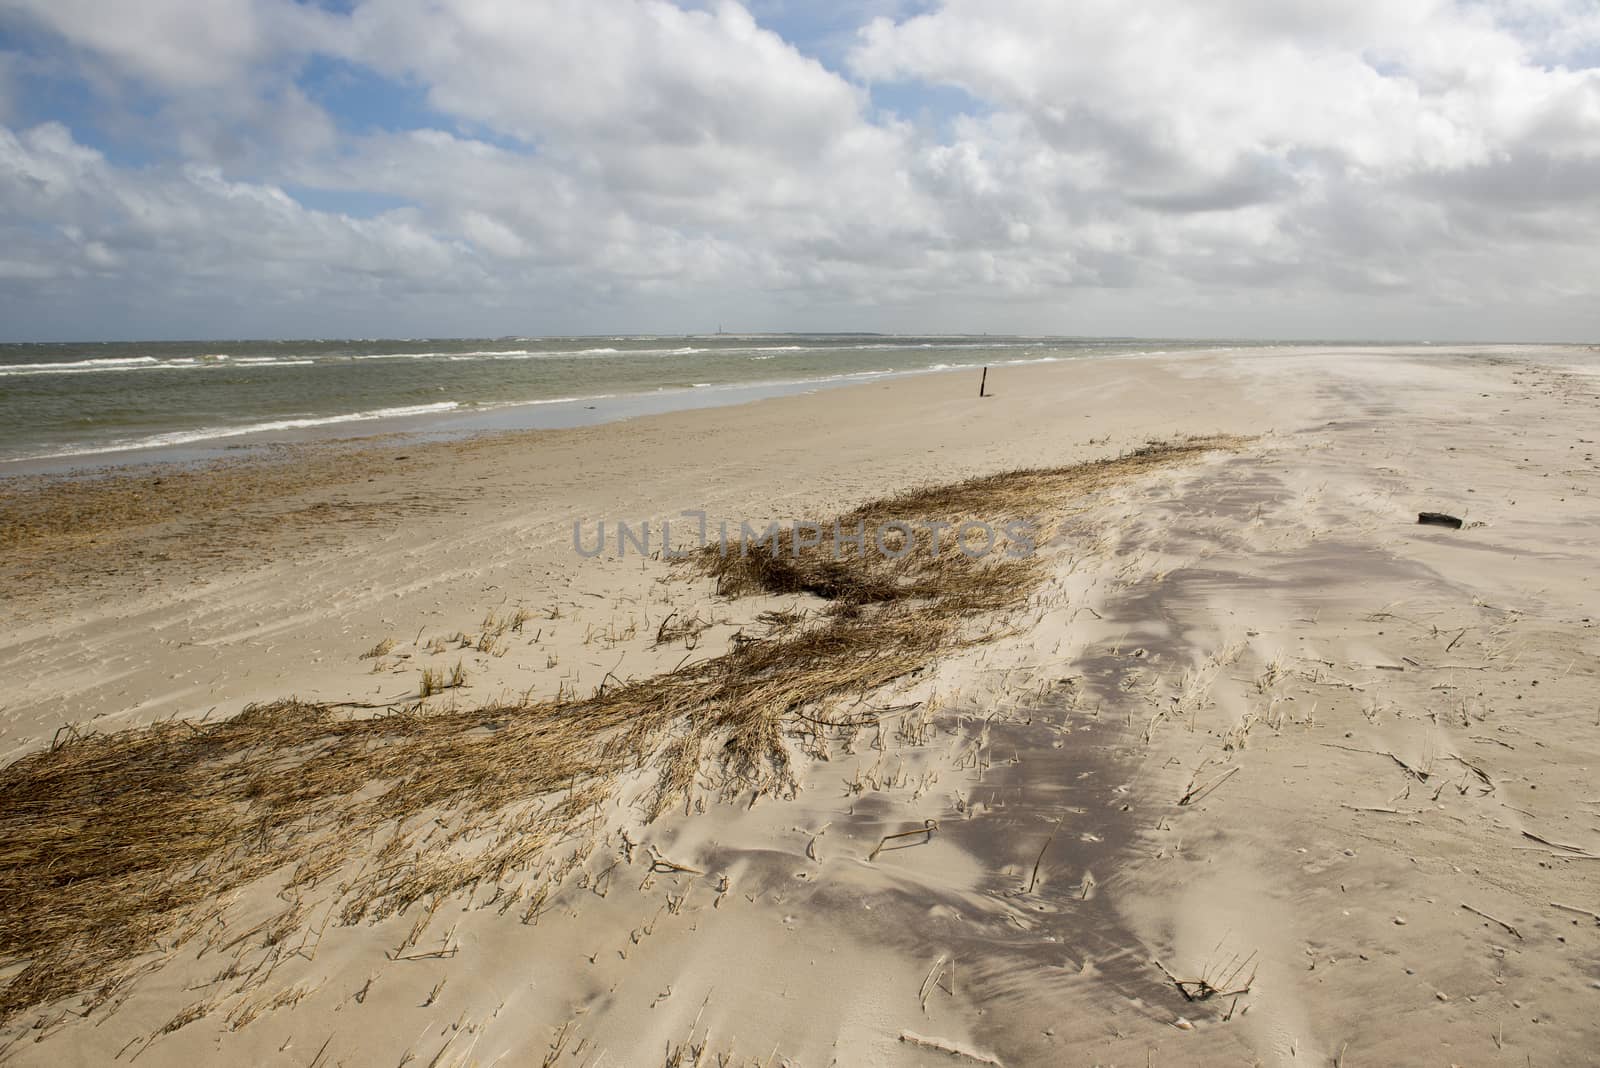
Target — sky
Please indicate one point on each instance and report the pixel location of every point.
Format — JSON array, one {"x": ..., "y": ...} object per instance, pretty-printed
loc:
[{"x": 1396, "y": 169}]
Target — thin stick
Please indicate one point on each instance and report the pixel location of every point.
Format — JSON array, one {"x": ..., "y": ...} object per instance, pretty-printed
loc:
[
  {"x": 927, "y": 828},
  {"x": 1485, "y": 915},
  {"x": 659, "y": 863},
  {"x": 1037, "y": 860},
  {"x": 1198, "y": 791},
  {"x": 1556, "y": 845},
  {"x": 1182, "y": 989},
  {"x": 944, "y": 1045},
  {"x": 318, "y": 1058},
  {"x": 934, "y": 974},
  {"x": 1573, "y": 908}
]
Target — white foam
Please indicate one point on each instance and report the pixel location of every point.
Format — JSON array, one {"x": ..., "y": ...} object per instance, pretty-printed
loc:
[
  {"x": 78, "y": 366},
  {"x": 142, "y": 363},
  {"x": 189, "y": 437}
]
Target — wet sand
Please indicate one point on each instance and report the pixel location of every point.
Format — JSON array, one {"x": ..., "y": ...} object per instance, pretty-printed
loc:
[{"x": 1385, "y": 732}]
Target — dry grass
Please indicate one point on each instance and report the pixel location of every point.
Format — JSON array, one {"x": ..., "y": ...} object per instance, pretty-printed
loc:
[
  {"x": 432, "y": 682},
  {"x": 382, "y": 649},
  {"x": 679, "y": 628},
  {"x": 114, "y": 846},
  {"x": 182, "y": 518},
  {"x": 920, "y": 574}
]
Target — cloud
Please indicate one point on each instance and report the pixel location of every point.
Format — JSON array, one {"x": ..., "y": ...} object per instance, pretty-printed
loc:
[
  {"x": 1380, "y": 86},
  {"x": 613, "y": 74},
  {"x": 1298, "y": 123},
  {"x": 607, "y": 163},
  {"x": 188, "y": 241},
  {"x": 178, "y": 44}
]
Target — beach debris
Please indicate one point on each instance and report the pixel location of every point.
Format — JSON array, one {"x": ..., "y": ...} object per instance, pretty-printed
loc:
[
  {"x": 1574, "y": 908},
  {"x": 1556, "y": 845},
  {"x": 1479, "y": 773},
  {"x": 1420, "y": 774},
  {"x": 945, "y": 965},
  {"x": 1493, "y": 919},
  {"x": 927, "y": 828},
  {"x": 1034, "y": 878},
  {"x": 1439, "y": 519},
  {"x": 685, "y": 630},
  {"x": 944, "y": 1045},
  {"x": 983, "y": 383},
  {"x": 659, "y": 863},
  {"x": 1206, "y": 987},
  {"x": 1199, "y": 791}
]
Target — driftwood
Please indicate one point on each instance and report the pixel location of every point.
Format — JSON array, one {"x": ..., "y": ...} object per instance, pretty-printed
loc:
[
  {"x": 944, "y": 1045},
  {"x": 1439, "y": 519}
]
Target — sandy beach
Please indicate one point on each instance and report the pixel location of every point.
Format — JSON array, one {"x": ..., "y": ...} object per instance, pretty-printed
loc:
[{"x": 1245, "y": 767}]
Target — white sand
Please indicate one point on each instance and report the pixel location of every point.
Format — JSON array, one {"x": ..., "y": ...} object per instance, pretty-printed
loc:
[{"x": 1272, "y": 620}]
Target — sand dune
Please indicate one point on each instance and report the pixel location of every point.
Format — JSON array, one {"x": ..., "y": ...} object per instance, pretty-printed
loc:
[{"x": 1254, "y": 769}]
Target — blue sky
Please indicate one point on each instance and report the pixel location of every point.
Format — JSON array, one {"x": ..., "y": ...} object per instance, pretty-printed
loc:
[{"x": 1403, "y": 168}]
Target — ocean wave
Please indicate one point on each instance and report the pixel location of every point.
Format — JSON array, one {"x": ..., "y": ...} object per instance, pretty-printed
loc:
[
  {"x": 143, "y": 363},
  {"x": 530, "y": 354},
  {"x": 752, "y": 352},
  {"x": 476, "y": 354},
  {"x": 190, "y": 437},
  {"x": 77, "y": 365}
]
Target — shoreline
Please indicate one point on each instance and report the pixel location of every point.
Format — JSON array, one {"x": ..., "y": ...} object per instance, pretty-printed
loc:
[
  {"x": 153, "y": 529},
  {"x": 451, "y": 420}
]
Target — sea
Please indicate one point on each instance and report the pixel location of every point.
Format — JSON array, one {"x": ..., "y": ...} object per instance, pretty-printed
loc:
[{"x": 68, "y": 405}]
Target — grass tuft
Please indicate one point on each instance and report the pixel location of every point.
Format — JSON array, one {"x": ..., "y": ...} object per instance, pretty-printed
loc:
[{"x": 114, "y": 844}]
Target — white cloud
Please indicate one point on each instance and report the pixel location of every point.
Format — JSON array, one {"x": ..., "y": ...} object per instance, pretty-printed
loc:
[
  {"x": 611, "y": 159},
  {"x": 188, "y": 236},
  {"x": 611, "y": 73},
  {"x": 179, "y": 44}
]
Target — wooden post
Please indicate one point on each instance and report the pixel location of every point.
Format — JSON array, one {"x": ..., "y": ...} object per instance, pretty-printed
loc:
[{"x": 984, "y": 381}]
